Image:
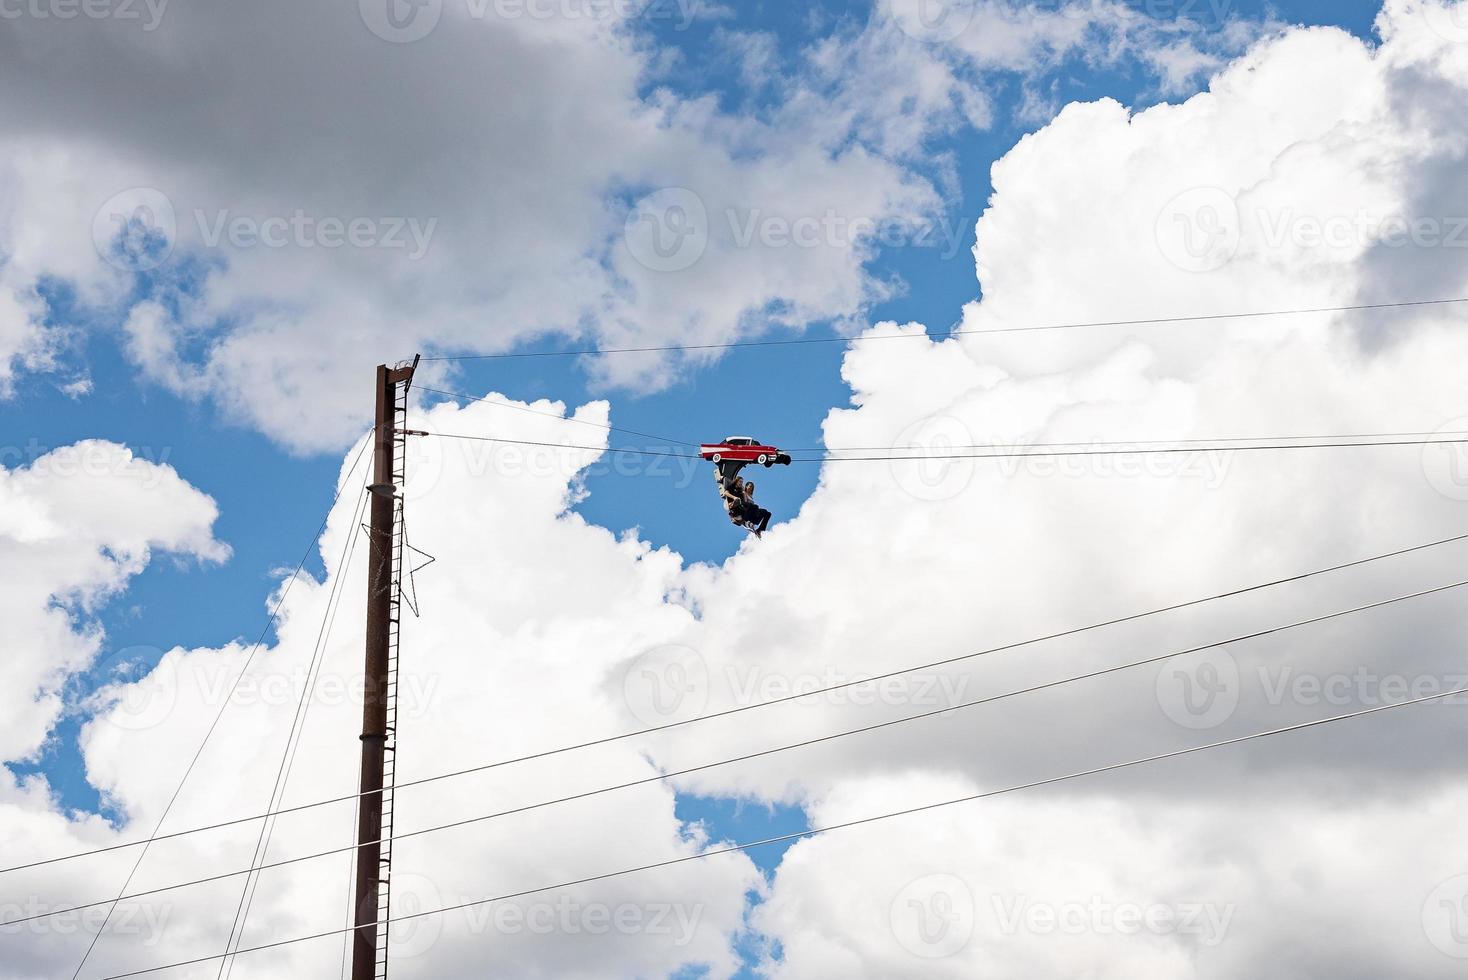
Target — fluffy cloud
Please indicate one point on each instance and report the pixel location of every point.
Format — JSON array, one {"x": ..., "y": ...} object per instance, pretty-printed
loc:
[
  {"x": 75, "y": 525},
  {"x": 282, "y": 189},
  {"x": 1045, "y": 887},
  {"x": 1273, "y": 190},
  {"x": 399, "y": 191},
  {"x": 514, "y": 652}
]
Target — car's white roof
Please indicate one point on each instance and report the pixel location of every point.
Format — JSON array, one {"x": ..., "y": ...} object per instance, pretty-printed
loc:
[{"x": 737, "y": 438}]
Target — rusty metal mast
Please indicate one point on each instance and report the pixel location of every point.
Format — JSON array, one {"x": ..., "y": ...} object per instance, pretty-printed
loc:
[{"x": 373, "y": 891}]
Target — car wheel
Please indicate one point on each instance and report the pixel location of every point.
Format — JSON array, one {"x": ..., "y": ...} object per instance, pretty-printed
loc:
[
  {"x": 763, "y": 460},
  {"x": 717, "y": 457}
]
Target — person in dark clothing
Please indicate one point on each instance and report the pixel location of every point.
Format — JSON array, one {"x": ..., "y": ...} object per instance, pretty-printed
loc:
[
  {"x": 732, "y": 493},
  {"x": 738, "y": 497},
  {"x": 743, "y": 511},
  {"x": 756, "y": 518}
]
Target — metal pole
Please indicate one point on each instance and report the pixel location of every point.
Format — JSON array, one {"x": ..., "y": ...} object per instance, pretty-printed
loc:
[{"x": 374, "y": 702}]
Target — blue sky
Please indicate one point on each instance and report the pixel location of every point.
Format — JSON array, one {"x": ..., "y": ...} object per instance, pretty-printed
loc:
[{"x": 272, "y": 500}]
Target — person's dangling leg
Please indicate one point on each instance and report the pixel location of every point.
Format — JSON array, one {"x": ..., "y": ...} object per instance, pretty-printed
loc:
[{"x": 761, "y": 521}]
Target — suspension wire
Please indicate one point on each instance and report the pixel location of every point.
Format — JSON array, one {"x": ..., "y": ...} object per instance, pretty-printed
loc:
[
  {"x": 1063, "y": 326},
  {"x": 1134, "y": 452},
  {"x": 293, "y": 741},
  {"x": 783, "y": 748},
  {"x": 559, "y": 418},
  {"x": 802, "y": 341},
  {"x": 556, "y": 445},
  {"x": 1074, "y": 631},
  {"x": 1171, "y": 447},
  {"x": 1113, "y": 446},
  {"x": 229, "y": 696},
  {"x": 1017, "y": 445},
  {"x": 829, "y": 828},
  {"x": 1021, "y": 445},
  {"x": 347, "y": 901}
]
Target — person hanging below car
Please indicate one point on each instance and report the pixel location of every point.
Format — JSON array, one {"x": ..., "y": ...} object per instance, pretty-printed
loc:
[
  {"x": 731, "y": 456},
  {"x": 743, "y": 511},
  {"x": 756, "y": 518},
  {"x": 731, "y": 492},
  {"x": 738, "y": 496}
]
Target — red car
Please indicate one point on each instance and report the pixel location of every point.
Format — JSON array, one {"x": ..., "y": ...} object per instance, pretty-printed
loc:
[{"x": 743, "y": 449}]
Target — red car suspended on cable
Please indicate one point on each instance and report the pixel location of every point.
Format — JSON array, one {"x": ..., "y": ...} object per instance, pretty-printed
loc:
[
  {"x": 743, "y": 449},
  {"x": 731, "y": 456}
]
